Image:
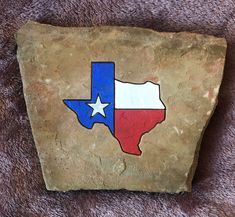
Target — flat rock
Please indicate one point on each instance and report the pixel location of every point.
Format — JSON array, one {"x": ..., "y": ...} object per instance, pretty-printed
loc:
[{"x": 155, "y": 151}]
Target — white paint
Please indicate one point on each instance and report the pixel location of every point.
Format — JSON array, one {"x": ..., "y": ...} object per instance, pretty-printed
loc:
[
  {"x": 137, "y": 96},
  {"x": 98, "y": 107}
]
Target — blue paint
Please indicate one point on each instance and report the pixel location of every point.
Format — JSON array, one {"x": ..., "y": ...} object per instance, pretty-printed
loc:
[{"x": 102, "y": 85}]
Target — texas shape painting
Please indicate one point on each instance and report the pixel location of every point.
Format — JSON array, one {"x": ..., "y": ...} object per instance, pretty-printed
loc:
[{"x": 128, "y": 110}]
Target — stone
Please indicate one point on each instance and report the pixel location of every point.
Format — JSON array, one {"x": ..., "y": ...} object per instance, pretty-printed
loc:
[{"x": 56, "y": 65}]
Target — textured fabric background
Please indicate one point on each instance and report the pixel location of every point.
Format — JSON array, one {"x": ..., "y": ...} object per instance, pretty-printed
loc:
[{"x": 22, "y": 190}]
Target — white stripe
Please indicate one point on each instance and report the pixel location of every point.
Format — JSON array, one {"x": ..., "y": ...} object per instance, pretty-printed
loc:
[{"x": 137, "y": 96}]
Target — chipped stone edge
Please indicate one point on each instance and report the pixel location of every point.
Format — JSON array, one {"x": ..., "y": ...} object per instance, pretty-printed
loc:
[
  {"x": 194, "y": 165},
  {"x": 188, "y": 183},
  {"x": 219, "y": 40}
]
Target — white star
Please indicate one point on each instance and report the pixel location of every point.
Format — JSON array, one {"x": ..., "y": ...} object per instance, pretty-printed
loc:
[{"x": 98, "y": 107}]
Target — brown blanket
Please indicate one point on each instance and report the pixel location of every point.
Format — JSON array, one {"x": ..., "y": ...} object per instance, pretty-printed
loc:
[{"x": 22, "y": 190}]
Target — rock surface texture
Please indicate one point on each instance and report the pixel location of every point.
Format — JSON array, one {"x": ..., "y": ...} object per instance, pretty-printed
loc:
[{"x": 55, "y": 64}]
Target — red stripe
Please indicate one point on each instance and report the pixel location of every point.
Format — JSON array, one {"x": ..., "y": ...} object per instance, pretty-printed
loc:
[{"x": 131, "y": 124}]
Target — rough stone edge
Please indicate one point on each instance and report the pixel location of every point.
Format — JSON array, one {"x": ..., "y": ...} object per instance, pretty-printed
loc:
[
  {"x": 33, "y": 24},
  {"x": 194, "y": 164}
]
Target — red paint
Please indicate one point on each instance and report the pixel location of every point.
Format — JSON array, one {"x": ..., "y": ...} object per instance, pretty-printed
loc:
[{"x": 131, "y": 124}]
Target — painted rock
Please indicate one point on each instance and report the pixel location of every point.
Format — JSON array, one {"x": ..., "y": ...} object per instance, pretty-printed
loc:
[{"x": 118, "y": 107}]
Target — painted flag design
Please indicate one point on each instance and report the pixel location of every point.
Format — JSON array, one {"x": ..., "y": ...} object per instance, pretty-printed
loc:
[{"x": 128, "y": 110}]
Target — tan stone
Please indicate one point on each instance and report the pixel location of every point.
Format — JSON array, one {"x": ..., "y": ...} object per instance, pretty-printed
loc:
[{"x": 55, "y": 64}]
